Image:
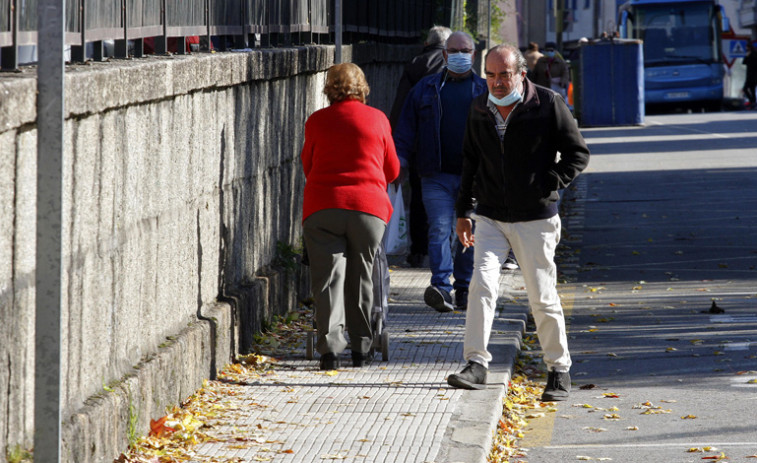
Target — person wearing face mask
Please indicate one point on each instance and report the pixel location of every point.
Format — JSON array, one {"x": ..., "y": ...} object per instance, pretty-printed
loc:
[
  {"x": 510, "y": 165},
  {"x": 429, "y": 136},
  {"x": 552, "y": 71}
]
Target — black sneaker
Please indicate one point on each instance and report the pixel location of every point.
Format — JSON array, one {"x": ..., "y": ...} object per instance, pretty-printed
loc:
[
  {"x": 461, "y": 299},
  {"x": 439, "y": 299},
  {"x": 473, "y": 376},
  {"x": 557, "y": 388},
  {"x": 329, "y": 361}
]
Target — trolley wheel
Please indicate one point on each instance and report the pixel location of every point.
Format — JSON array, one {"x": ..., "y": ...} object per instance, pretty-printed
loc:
[
  {"x": 310, "y": 345},
  {"x": 385, "y": 346}
]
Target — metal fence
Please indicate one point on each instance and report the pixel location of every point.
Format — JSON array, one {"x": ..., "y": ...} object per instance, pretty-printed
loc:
[{"x": 240, "y": 23}]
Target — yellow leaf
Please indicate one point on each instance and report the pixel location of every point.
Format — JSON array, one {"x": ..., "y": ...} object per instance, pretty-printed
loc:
[
  {"x": 632, "y": 428},
  {"x": 689, "y": 417},
  {"x": 671, "y": 349},
  {"x": 752, "y": 381},
  {"x": 331, "y": 373}
]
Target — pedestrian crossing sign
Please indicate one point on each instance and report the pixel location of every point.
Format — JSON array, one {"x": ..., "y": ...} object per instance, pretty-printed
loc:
[
  {"x": 737, "y": 48},
  {"x": 734, "y": 47}
]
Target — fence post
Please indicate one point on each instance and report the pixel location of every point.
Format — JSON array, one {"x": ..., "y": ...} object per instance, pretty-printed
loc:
[
  {"x": 161, "y": 42},
  {"x": 9, "y": 60},
  {"x": 121, "y": 47},
  {"x": 338, "y": 31},
  {"x": 79, "y": 52},
  {"x": 47, "y": 337},
  {"x": 242, "y": 41}
]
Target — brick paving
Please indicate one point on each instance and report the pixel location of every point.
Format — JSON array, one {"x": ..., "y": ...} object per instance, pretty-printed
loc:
[{"x": 396, "y": 411}]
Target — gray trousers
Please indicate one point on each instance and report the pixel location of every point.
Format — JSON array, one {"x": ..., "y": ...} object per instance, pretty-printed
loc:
[{"x": 342, "y": 245}]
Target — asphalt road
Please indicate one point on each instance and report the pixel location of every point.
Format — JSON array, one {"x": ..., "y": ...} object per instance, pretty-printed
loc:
[{"x": 662, "y": 223}]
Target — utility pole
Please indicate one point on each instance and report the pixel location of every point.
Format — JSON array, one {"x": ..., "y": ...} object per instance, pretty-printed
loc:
[
  {"x": 559, "y": 7},
  {"x": 338, "y": 31},
  {"x": 47, "y": 344}
]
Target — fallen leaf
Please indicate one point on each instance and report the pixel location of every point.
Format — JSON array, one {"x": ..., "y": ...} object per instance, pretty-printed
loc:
[
  {"x": 689, "y": 417},
  {"x": 158, "y": 428}
]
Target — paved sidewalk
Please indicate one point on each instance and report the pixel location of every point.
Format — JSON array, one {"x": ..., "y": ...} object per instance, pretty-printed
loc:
[{"x": 396, "y": 411}]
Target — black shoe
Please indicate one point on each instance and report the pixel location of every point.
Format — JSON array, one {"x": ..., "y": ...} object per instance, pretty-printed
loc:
[
  {"x": 439, "y": 299},
  {"x": 461, "y": 299},
  {"x": 360, "y": 359},
  {"x": 329, "y": 361},
  {"x": 558, "y": 387},
  {"x": 473, "y": 376}
]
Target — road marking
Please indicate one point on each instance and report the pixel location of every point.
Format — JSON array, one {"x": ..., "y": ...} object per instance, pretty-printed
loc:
[
  {"x": 733, "y": 319},
  {"x": 744, "y": 381},
  {"x": 740, "y": 345},
  {"x": 663, "y": 445}
]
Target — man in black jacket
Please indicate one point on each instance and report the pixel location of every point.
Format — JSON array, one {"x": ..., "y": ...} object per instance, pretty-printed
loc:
[{"x": 521, "y": 146}]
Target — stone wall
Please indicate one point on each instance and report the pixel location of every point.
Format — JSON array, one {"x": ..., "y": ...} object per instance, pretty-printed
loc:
[{"x": 181, "y": 187}]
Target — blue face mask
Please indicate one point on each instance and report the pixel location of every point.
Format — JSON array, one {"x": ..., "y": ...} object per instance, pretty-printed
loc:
[
  {"x": 459, "y": 63},
  {"x": 506, "y": 100},
  {"x": 550, "y": 54}
]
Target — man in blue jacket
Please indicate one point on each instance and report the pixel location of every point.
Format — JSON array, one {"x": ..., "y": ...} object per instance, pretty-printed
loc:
[{"x": 429, "y": 136}]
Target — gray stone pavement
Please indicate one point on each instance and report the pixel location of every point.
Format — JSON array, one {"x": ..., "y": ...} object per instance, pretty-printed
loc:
[{"x": 396, "y": 411}]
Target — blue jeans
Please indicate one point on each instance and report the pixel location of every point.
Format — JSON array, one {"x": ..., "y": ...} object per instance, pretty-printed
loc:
[{"x": 439, "y": 196}]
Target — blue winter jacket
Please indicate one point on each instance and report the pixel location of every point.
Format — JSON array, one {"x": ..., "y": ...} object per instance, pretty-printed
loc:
[{"x": 416, "y": 135}]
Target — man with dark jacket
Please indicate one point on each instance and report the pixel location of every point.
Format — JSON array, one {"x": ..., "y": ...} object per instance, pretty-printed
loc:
[
  {"x": 430, "y": 61},
  {"x": 512, "y": 168},
  {"x": 429, "y": 137}
]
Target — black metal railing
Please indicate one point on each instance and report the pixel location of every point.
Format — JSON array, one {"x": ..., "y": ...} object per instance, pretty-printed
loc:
[{"x": 240, "y": 23}]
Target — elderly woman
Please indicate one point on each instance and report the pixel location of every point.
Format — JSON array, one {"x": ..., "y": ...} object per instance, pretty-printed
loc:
[{"x": 348, "y": 158}]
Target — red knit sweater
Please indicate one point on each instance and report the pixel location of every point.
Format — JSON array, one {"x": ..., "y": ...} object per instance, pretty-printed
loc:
[{"x": 348, "y": 159}]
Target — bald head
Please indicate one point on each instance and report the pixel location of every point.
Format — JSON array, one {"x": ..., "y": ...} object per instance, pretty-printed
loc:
[{"x": 508, "y": 55}]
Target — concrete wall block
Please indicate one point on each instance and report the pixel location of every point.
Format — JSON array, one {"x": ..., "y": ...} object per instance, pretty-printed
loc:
[
  {"x": 18, "y": 100},
  {"x": 222, "y": 347},
  {"x": 94, "y": 89},
  {"x": 252, "y": 299},
  {"x": 144, "y": 81},
  {"x": 8, "y": 351},
  {"x": 190, "y": 73}
]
